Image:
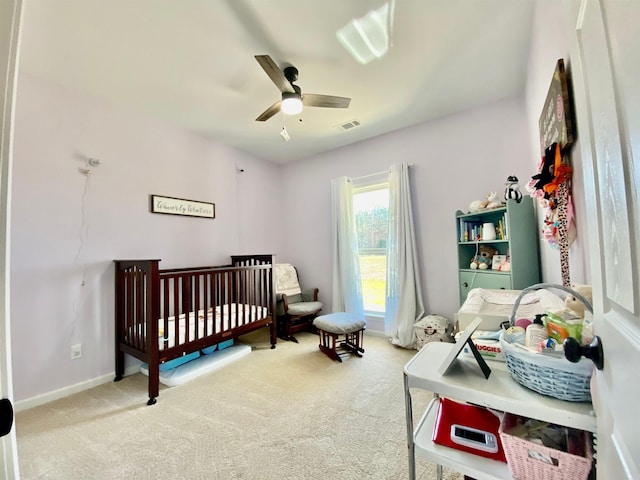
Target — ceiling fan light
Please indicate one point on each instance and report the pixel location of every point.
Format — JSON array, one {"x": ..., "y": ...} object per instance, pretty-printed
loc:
[{"x": 291, "y": 103}]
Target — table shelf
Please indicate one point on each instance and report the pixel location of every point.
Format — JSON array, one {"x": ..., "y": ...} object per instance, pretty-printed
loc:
[
  {"x": 479, "y": 468},
  {"x": 465, "y": 382}
]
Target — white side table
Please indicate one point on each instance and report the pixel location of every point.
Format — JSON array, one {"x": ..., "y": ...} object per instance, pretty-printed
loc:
[{"x": 465, "y": 382}]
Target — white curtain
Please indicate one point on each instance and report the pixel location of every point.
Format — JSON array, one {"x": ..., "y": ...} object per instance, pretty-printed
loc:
[
  {"x": 347, "y": 290},
  {"x": 403, "y": 304}
]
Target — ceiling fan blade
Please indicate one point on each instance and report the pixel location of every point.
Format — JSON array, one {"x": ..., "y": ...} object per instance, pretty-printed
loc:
[
  {"x": 269, "y": 112},
  {"x": 330, "y": 101},
  {"x": 275, "y": 73}
]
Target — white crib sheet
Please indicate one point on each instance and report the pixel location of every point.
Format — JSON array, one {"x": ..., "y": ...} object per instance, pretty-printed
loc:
[{"x": 225, "y": 319}]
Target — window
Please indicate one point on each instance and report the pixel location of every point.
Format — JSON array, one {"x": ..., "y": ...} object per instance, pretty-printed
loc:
[{"x": 371, "y": 210}]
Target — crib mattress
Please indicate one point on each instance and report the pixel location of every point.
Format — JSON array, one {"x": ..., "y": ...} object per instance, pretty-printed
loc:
[{"x": 225, "y": 319}]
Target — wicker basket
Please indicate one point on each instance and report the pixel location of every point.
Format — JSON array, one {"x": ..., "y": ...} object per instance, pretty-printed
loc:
[
  {"x": 553, "y": 376},
  {"x": 531, "y": 461}
]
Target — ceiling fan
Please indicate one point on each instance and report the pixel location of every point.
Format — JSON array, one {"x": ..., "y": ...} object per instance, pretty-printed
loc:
[{"x": 292, "y": 97}]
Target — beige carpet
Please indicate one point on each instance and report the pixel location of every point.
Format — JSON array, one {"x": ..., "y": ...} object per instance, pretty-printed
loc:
[{"x": 288, "y": 413}]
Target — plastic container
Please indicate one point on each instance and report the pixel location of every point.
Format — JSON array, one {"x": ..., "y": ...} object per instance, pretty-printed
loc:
[
  {"x": 561, "y": 325},
  {"x": 536, "y": 332}
]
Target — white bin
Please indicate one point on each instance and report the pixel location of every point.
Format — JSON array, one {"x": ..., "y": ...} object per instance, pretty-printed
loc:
[{"x": 433, "y": 328}]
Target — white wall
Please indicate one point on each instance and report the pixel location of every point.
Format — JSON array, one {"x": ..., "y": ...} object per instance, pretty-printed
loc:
[
  {"x": 50, "y": 309},
  {"x": 457, "y": 159},
  {"x": 550, "y": 42}
]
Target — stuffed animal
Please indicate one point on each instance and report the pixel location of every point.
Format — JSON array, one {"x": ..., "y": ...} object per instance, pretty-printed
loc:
[
  {"x": 576, "y": 306},
  {"x": 493, "y": 201},
  {"x": 482, "y": 261},
  {"x": 477, "y": 206},
  {"x": 513, "y": 189}
]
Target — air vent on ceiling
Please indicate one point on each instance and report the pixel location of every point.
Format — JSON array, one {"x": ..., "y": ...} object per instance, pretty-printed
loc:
[{"x": 349, "y": 125}]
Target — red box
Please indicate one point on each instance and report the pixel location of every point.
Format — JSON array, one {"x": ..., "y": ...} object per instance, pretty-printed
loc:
[{"x": 470, "y": 420}]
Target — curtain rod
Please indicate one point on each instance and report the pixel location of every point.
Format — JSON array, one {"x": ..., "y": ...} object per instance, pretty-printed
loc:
[{"x": 376, "y": 174}]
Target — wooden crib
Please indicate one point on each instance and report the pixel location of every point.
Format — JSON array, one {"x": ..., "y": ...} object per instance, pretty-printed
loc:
[{"x": 163, "y": 315}]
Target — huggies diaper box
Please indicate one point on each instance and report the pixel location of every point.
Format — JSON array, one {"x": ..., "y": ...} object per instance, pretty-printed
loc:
[{"x": 488, "y": 344}]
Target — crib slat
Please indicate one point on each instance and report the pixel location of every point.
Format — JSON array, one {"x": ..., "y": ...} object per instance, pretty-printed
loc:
[
  {"x": 195, "y": 306},
  {"x": 166, "y": 309},
  {"x": 176, "y": 310},
  {"x": 139, "y": 314},
  {"x": 205, "y": 303},
  {"x": 215, "y": 286}
]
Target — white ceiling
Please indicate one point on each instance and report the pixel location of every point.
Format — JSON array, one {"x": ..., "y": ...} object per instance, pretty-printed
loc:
[{"x": 191, "y": 62}]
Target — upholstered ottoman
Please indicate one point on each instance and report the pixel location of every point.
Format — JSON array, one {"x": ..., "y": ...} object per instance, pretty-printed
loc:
[{"x": 335, "y": 325}]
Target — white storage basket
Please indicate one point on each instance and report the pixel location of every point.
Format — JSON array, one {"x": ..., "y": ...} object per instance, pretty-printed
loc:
[
  {"x": 553, "y": 376},
  {"x": 433, "y": 328},
  {"x": 531, "y": 461}
]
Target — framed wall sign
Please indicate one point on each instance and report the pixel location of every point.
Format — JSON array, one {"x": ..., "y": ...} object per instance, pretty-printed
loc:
[
  {"x": 181, "y": 206},
  {"x": 556, "y": 120}
]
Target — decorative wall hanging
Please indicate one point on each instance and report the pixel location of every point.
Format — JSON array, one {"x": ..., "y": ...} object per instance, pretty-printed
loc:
[
  {"x": 180, "y": 206},
  {"x": 556, "y": 121},
  {"x": 552, "y": 184}
]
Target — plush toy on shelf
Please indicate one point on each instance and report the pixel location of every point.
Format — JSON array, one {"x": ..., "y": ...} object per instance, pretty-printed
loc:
[
  {"x": 492, "y": 201},
  {"x": 482, "y": 260},
  {"x": 513, "y": 189},
  {"x": 477, "y": 206}
]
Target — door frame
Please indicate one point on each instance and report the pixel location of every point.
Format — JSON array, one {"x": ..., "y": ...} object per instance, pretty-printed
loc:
[
  {"x": 10, "y": 23},
  {"x": 616, "y": 322}
]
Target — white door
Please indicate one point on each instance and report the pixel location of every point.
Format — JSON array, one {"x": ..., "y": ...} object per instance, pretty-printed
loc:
[
  {"x": 606, "y": 78},
  {"x": 10, "y": 13}
]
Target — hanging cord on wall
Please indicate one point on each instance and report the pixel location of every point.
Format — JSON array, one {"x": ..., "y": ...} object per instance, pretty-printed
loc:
[
  {"x": 83, "y": 234},
  {"x": 84, "y": 225}
]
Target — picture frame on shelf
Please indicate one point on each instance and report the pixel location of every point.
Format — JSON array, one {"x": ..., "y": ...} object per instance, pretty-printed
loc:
[{"x": 498, "y": 261}]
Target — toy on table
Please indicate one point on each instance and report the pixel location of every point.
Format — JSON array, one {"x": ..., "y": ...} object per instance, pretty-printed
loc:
[
  {"x": 576, "y": 306},
  {"x": 570, "y": 321}
]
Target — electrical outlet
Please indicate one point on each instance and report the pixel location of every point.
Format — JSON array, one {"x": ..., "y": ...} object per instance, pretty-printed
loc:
[{"x": 76, "y": 351}]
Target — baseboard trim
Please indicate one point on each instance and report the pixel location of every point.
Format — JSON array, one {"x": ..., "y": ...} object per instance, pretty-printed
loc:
[
  {"x": 70, "y": 390},
  {"x": 375, "y": 333}
]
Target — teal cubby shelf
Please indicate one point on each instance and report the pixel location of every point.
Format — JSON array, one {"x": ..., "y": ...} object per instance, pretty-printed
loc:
[{"x": 516, "y": 238}]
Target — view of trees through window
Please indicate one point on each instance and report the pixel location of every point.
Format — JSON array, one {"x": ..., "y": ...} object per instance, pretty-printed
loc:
[{"x": 371, "y": 208}]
